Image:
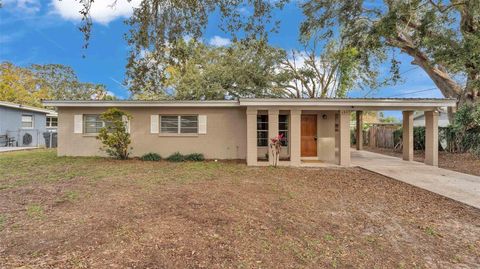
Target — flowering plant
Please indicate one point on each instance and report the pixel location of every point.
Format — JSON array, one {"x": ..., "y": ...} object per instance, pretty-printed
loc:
[{"x": 276, "y": 147}]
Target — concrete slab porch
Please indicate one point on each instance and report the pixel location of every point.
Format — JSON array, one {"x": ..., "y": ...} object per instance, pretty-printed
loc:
[{"x": 458, "y": 186}]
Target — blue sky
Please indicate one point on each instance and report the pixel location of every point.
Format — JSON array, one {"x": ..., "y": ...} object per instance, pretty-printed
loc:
[{"x": 38, "y": 31}]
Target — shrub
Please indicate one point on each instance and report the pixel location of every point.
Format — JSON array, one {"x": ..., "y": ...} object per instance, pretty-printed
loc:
[
  {"x": 467, "y": 129},
  {"x": 114, "y": 136},
  {"x": 419, "y": 138},
  {"x": 151, "y": 157},
  {"x": 176, "y": 157},
  {"x": 195, "y": 157}
]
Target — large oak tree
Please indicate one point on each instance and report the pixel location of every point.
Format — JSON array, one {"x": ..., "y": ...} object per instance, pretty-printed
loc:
[{"x": 442, "y": 37}]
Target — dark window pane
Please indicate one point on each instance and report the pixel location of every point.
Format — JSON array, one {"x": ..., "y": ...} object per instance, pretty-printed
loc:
[
  {"x": 169, "y": 124},
  {"x": 189, "y": 121},
  {"x": 186, "y": 130}
]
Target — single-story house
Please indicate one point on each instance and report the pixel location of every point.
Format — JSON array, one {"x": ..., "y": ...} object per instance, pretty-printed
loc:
[
  {"x": 314, "y": 129},
  {"x": 25, "y": 126}
]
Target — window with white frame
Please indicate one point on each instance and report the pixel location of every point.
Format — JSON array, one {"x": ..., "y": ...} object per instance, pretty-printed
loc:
[
  {"x": 179, "y": 124},
  {"x": 52, "y": 121},
  {"x": 27, "y": 121},
  {"x": 283, "y": 128},
  {"x": 262, "y": 130},
  {"x": 93, "y": 123}
]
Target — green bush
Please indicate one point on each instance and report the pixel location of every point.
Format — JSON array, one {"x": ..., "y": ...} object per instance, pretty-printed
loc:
[
  {"x": 419, "y": 138},
  {"x": 151, "y": 157},
  {"x": 114, "y": 136},
  {"x": 176, "y": 157},
  {"x": 195, "y": 157},
  {"x": 467, "y": 129}
]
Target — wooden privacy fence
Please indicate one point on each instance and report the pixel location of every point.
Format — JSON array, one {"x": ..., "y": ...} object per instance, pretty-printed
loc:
[{"x": 381, "y": 135}]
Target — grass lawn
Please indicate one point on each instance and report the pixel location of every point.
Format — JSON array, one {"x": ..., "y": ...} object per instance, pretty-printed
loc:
[{"x": 96, "y": 213}]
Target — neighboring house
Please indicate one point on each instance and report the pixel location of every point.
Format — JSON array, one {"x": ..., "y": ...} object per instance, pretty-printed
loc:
[
  {"x": 316, "y": 130},
  {"x": 443, "y": 121},
  {"x": 26, "y": 125}
]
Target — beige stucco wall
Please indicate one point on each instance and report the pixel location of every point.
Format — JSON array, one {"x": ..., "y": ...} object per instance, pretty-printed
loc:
[
  {"x": 225, "y": 137},
  {"x": 326, "y": 136}
]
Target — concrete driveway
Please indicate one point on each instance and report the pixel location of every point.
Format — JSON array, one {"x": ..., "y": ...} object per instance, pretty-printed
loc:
[{"x": 458, "y": 186}]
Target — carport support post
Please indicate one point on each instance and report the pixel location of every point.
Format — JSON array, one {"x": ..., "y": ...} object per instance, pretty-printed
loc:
[
  {"x": 407, "y": 135},
  {"x": 272, "y": 131},
  {"x": 252, "y": 136},
  {"x": 359, "y": 130},
  {"x": 344, "y": 145},
  {"x": 431, "y": 138},
  {"x": 295, "y": 133}
]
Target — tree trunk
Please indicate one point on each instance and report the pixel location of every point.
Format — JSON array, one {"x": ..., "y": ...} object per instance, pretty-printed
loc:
[{"x": 444, "y": 82}]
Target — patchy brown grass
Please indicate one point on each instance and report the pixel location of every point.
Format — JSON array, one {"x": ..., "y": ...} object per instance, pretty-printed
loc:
[
  {"x": 460, "y": 162},
  {"x": 96, "y": 213}
]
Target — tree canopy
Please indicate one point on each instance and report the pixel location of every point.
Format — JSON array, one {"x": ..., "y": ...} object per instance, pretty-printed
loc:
[
  {"x": 29, "y": 85},
  {"x": 193, "y": 70},
  {"x": 442, "y": 37}
]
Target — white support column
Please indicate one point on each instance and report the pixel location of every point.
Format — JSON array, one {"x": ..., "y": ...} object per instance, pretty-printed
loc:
[
  {"x": 431, "y": 138},
  {"x": 359, "y": 130},
  {"x": 252, "y": 136},
  {"x": 407, "y": 135},
  {"x": 344, "y": 145},
  {"x": 272, "y": 131},
  {"x": 295, "y": 136}
]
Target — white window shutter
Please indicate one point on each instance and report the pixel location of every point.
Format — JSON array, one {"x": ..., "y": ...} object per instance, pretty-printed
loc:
[
  {"x": 154, "y": 121},
  {"x": 202, "y": 124},
  {"x": 126, "y": 122},
  {"x": 77, "y": 124}
]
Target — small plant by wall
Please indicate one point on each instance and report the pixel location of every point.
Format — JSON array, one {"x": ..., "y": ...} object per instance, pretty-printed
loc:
[
  {"x": 114, "y": 136},
  {"x": 194, "y": 157},
  {"x": 151, "y": 157},
  {"x": 176, "y": 157}
]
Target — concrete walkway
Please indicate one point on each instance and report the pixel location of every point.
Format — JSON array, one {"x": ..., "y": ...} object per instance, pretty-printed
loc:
[
  {"x": 458, "y": 186},
  {"x": 7, "y": 149}
]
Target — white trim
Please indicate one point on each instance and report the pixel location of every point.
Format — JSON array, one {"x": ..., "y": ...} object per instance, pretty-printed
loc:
[
  {"x": 326, "y": 104},
  {"x": 154, "y": 124},
  {"x": 219, "y": 103},
  {"x": 179, "y": 124},
  {"x": 126, "y": 121},
  {"x": 78, "y": 124},
  {"x": 27, "y": 108},
  {"x": 32, "y": 121},
  {"x": 350, "y": 103},
  {"x": 202, "y": 124}
]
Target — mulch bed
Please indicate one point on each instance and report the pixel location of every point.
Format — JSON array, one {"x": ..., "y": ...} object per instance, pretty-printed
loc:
[{"x": 224, "y": 215}]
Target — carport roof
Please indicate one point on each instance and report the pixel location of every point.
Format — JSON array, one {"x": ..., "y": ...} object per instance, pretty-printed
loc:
[{"x": 335, "y": 103}]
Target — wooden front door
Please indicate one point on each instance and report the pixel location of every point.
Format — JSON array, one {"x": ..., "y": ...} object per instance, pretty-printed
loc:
[{"x": 309, "y": 136}]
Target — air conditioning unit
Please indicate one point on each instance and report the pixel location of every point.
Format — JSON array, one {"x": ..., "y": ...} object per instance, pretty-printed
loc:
[{"x": 27, "y": 139}]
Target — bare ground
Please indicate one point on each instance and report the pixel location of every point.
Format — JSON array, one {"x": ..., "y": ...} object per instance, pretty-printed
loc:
[
  {"x": 460, "y": 162},
  {"x": 97, "y": 213}
]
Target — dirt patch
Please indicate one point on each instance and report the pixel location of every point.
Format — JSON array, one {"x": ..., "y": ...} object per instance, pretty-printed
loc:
[
  {"x": 460, "y": 162},
  {"x": 216, "y": 215}
]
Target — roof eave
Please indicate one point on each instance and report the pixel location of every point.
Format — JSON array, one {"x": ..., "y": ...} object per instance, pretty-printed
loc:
[{"x": 222, "y": 103}]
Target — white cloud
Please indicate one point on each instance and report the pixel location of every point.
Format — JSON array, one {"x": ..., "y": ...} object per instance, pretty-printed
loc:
[
  {"x": 101, "y": 11},
  {"x": 219, "y": 41},
  {"x": 23, "y": 6}
]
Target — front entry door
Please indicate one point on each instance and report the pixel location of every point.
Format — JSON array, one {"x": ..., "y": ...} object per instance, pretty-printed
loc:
[{"x": 309, "y": 136}]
